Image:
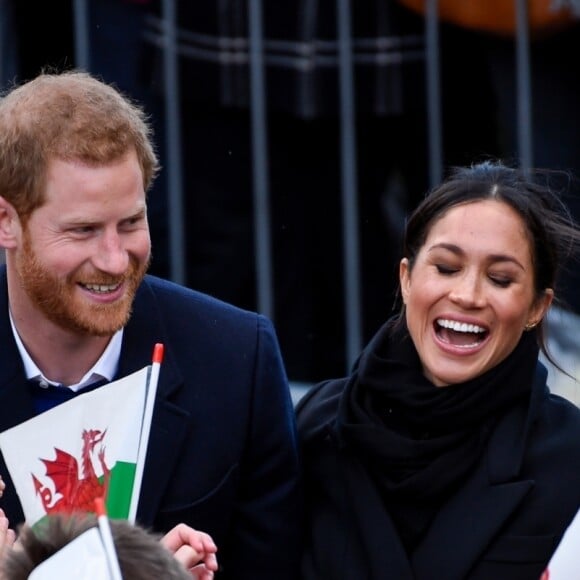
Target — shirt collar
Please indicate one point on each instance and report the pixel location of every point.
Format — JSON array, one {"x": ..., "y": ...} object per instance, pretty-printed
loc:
[{"x": 104, "y": 368}]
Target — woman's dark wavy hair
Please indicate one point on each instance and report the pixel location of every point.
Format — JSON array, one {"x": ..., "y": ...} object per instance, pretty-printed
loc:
[{"x": 554, "y": 236}]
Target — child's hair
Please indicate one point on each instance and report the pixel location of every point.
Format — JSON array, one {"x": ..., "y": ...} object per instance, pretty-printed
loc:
[{"x": 141, "y": 556}]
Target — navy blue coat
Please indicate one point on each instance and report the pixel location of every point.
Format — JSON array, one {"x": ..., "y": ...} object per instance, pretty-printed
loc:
[
  {"x": 503, "y": 523},
  {"x": 222, "y": 454}
]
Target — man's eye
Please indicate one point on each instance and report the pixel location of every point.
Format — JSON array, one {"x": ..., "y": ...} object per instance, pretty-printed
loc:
[
  {"x": 83, "y": 230},
  {"x": 132, "y": 222}
]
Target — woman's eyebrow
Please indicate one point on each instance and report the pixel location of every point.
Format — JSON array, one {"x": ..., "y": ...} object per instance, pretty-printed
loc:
[{"x": 455, "y": 249}]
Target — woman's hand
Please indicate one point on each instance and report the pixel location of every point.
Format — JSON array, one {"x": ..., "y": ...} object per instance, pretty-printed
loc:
[{"x": 195, "y": 550}]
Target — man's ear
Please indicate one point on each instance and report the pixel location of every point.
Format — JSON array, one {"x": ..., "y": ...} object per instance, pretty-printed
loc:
[{"x": 9, "y": 225}]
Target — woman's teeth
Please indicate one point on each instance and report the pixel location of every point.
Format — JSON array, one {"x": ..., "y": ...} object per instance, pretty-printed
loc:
[{"x": 460, "y": 326}]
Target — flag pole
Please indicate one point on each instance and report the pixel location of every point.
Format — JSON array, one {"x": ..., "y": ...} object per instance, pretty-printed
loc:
[
  {"x": 146, "y": 429},
  {"x": 107, "y": 539}
]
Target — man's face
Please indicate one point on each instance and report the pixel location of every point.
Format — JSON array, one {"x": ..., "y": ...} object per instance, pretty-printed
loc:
[{"x": 86, "y": 250}]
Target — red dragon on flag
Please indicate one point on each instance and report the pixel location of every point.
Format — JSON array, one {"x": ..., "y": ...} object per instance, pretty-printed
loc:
[{"x": 76, "y": 494}]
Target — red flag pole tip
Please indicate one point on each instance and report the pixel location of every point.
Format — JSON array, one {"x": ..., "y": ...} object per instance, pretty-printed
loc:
[
  {"x": 100, "y": 506},
  {"x": 158, "y": 353}
]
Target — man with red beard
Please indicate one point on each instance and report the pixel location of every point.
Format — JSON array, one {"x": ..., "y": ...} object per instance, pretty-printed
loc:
[{"x": 77, "y": 307}]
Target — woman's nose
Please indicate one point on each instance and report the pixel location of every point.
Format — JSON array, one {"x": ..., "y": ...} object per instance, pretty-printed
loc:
[{"x": 468, "y": 292}]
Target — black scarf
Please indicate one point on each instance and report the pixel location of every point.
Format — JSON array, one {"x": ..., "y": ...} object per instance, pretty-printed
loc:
[{"x": 418, "y": 441}]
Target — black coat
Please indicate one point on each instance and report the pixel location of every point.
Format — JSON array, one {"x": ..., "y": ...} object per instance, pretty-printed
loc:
[
  {"x": 222, "y": 453},
  {"x": 504, "y": 522}
]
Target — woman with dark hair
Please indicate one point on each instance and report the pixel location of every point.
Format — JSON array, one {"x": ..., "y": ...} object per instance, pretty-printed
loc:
[{"x": 443, "y": 456}]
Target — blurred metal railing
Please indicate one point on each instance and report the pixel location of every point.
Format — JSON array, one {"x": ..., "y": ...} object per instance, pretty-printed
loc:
[
  {"x": 174, "y": 154},
  {"x": 350, "y": 229},
  {"x": 350, "y": 232},
  {"x": 433, "y": 97},
  {"x": 524, "y": 92},
  {"x": 262, "y": 235}
]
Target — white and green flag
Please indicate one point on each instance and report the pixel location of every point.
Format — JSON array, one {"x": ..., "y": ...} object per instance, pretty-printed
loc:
[
  {"x": 565, "y": 562},
  {"x": 83, "y": 558},
  {"x": 91, "y": 446}
]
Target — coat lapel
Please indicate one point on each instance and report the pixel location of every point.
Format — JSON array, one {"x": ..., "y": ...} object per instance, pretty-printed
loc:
[
  {"x": 170, "y": 422},
  {"x": 465, "y": 527},
  {"x": 15, "y": 401},
  {"x": 168, "y": 430},
  {"x": 383, "y": 551}
]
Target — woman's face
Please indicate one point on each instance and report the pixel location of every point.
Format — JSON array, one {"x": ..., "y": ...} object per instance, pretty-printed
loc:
[{"x": 471, "y": 291}]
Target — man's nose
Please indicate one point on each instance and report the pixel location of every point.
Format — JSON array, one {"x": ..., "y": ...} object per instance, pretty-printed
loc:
[{"x": 111, "y": 255}]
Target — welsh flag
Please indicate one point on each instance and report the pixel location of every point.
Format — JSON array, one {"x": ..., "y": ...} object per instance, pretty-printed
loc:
[{"x": 89, "y": 447}]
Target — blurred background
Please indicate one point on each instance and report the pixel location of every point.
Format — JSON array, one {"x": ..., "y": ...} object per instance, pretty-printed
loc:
[{"x": 296, "y": 136}]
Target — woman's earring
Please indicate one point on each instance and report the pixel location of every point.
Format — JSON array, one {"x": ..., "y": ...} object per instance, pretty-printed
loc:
[{"x": 530, "y": 325}]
